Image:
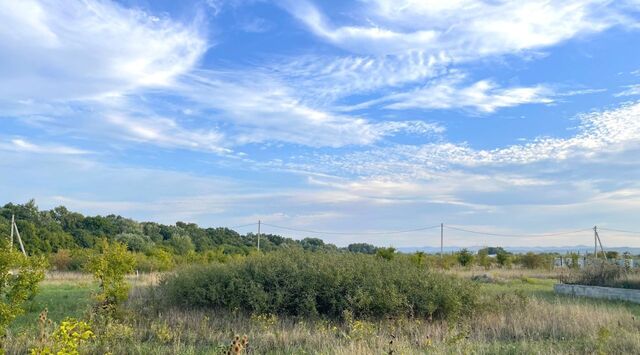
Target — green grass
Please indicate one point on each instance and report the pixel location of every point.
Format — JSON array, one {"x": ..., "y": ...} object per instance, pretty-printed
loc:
[
  {"x": 547, "y": 323},
  {"x": 62, "y": 299}
]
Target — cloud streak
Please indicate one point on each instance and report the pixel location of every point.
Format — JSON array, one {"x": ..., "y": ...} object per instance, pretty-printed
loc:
[{"x": 93, "y": 48}]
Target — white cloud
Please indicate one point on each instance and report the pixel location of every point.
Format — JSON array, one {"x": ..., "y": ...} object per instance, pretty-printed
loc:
[
  {"x": 81, "y": 49},
  {"x": 263, "y": 108},
  {"x": 23, "y": 145},
  {"x": 632, "y": 90},
  {"x": 483, "y": 95},
  {"x": 600, "y": 133},
  {"x": 326, "y": 78},
  {"x": 461, "y": 28},
  {"x": 166, "y": 132}
]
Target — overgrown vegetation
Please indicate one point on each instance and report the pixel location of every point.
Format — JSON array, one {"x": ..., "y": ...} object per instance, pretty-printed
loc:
[
  {"x": 19, "y": 278},
  {"x": 311, "y": 284},
  {"x": 519, "y": 314},
  {"x": 607, "y": 274}
]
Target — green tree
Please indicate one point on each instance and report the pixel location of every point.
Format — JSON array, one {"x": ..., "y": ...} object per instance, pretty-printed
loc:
[
  {"x": 612, "y": 254},
  {"x": 19, "y": 278},
  {"x": 110, "y": 268},
  {"x": 503, "y": 258},
  {"x": 419, "y": 258},
  {"x": 483, "y": 258},
  {"x": 181, "y": 244},
  {"x": 534, "y": 261},
  {"x": 363, "y": 248},
  {"x": 386, "y": 253},
  {"x": 465, "y": 257}
]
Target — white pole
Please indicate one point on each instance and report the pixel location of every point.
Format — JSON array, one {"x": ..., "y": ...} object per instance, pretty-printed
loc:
[
  {"x": 259, "y": 235},
  {"x": 12, "y": 223},
  {"x": 19, "y": 238}
]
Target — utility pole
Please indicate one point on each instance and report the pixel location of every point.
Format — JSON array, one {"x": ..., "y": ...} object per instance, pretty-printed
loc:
[
  {"x": 14, "y": 226},
  {"x": 259, "y": 234},
  {"x": 604, "y": 255},
  {"x": 441, "y": 241},
  {"x": 12, "y": 222},
  {"x": 595, "y": 241}
]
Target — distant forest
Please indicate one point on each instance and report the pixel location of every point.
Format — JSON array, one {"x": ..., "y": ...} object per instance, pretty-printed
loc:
[{"x": 49, "y": 231}]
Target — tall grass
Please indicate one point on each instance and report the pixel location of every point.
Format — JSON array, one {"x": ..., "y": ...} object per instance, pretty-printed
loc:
[{"x": 519, "y": 315}]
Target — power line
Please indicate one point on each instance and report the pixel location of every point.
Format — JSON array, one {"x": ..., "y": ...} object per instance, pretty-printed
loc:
[
  {"x": 243, "y": 225},
  {"x": 350, "y": 233},
  {"x": 516, "y": 235},
  {"x": 618, "y": 230}
]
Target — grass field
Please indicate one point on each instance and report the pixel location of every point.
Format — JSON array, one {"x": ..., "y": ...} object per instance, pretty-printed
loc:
[{"x": 521, "y": 314}]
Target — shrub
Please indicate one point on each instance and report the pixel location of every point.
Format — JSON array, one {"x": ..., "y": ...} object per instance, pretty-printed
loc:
[
  {"x": 503, "y": 258},
  {"x": 309, "y": 284},
  {"x": 386, "y": 253},
  {"x": 110, "y": 268},
  {"x": 465, "y": 257},
  {"x": 19, "y": 278},
  {"x": 534, "y": 261},
  {"x": 66, "y": 339},
  {"x": 61, "y": 261}
]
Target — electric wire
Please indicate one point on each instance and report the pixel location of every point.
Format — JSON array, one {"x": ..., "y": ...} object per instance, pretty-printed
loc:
[
  {"x": 618, "y": 230},
  {"x": 516, "y": 235},
  {"x": 350, "y": 233}
]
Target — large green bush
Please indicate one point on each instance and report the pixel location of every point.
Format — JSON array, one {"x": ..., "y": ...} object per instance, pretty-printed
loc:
[{"x": 312, "y": 284}]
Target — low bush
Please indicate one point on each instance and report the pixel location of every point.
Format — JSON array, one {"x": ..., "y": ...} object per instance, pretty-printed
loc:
[{"x": 310, "y": 284}]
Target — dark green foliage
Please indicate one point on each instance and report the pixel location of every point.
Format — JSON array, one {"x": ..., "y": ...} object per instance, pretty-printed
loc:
[
  {"x": 492, "y": 250},
  {"x": 363, "y": 248},
  {"x": 465, "y": 257},
  {"x": 46, "y": 232},
  {"x": 534, "y": 261},
  {"x": 503, "y": 258},
  {"x": 310, "y": 284},
  {"x": 612, "y": 254}
]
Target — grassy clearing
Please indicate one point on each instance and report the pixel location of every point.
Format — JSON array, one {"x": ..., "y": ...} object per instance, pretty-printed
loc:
[{"x": 521, "y": 315}]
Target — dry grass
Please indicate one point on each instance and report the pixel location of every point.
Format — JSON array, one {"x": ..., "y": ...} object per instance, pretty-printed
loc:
[
  {"x": 70, "y": 277},
  {"x": 509, "y": 273},
  {"x": 520, "y": 315}
]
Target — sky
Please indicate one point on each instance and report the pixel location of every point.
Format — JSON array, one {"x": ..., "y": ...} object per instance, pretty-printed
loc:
[{"x": 355, "y": 117}]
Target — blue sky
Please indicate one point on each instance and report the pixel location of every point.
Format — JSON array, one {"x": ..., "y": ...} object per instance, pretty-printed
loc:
[{"x": 513, "y": 117}]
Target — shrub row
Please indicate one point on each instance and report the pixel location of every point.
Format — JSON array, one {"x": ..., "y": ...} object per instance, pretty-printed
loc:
[{"x": 310, "y": 284}]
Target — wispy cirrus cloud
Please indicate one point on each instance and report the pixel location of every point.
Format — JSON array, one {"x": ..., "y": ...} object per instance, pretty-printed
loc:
[
  {"x": 460, "y": 28},
  {"x": 631, "y": 90},
  {"x": 450, "y": 92},
  {"x": 92, "y": 47},
  {"x": 23, "y": 145}
]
